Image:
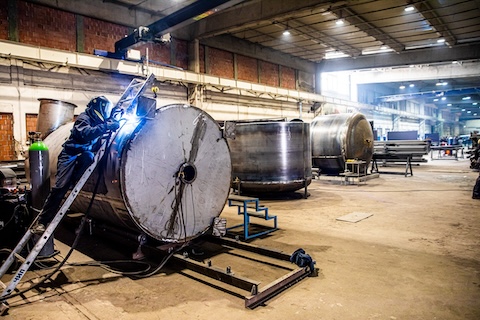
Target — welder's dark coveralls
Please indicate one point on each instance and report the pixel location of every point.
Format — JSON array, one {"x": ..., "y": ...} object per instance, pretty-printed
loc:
[{"x": 78, "y": 153}]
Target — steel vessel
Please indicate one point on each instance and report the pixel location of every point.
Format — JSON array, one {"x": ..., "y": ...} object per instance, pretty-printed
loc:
[
  {"x": 339, "y": 137},
  {"x": 167, "y": 176},
  {"x": 271, "y": 156}
]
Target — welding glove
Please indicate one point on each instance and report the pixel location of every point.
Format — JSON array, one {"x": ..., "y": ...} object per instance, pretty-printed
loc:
[
  {"x": 116, "y": 113},
  {"x": 112, "y": 124}
]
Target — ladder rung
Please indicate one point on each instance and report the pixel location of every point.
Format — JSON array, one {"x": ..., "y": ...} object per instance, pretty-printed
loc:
[{"x": 20, "y": 258}]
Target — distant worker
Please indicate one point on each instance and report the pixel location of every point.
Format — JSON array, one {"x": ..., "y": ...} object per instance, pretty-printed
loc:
[
  {"x": 78, "y": 154},
  {"x": 476, "y": 189}
]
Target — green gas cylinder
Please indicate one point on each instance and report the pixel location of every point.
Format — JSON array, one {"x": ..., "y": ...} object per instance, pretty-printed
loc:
[{"x": 39, "y": 173}]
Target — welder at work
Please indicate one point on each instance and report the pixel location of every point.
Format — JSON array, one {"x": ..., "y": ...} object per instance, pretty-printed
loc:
[{"x": 78, "y": 153}]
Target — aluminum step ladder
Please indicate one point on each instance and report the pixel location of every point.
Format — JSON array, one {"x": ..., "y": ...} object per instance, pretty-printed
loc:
[{"x": 127, "y": 102}]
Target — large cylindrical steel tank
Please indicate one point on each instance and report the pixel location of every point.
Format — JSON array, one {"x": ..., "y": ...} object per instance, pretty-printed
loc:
[
  {"x": 167, "y": 176},
  {"x": 339, "y": 137},
  {"x": 53, "y": 114},
  {"x": 271, "y": 156}
]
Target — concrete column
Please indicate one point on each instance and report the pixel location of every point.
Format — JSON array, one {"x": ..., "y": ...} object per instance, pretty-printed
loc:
[
  {"x": 194, "y": 56},
  {"x": 421, "y": 129},
  {"x": 173, "y": 52},
  {"x": 80, "y": 34},
  {"x": 207, "y": 61},
  {"x": 395, "y": 122},
  {"x": 195, "y": 95},
  {"x": 353, "y": 89},
  {"x": 13, "y": 20},
  {"x": 235, "y": 67},
  {"x": 318, "y": 78}
]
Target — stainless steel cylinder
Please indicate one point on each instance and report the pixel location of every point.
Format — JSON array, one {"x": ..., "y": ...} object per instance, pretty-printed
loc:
[
  {"x": 168, "y": 176},
  {"x": 53, "y": 114},
  {"x": 271, "y": 156},
  {"x": 338, "y": 137}
]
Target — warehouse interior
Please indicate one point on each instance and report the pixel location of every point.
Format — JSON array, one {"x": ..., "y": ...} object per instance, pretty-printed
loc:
[{"x": 281, "y": 160}]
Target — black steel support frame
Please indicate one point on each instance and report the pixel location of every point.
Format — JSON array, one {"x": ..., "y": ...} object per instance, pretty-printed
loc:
[
  {"x": 404, "y": 157},
  {"x": 182, "y": 17},
  {"x": 256, "y": 296}
]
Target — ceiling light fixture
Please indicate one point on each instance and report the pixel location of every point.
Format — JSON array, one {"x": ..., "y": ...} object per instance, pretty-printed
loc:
[
  {"x": 411, "y": 85},
  {"x": 401, "y": 87},
  {"x": 474, "y": 103},
  {"x": 286, "y": 32},
  {"x": 441, "y": 40},
  {"x": 409, "y": 8},
  {"x": 466, "y": 98},
  {"x": 444, "y": 83},
  {"x": 339, "y": 22},
  {"x": 449, "y": 104}
]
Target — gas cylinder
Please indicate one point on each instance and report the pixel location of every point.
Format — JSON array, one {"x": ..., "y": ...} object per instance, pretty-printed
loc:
[{"x": 39, "y": 172}]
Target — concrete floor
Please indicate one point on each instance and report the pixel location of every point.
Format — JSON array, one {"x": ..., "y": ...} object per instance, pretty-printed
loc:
[{"x": 416, "y": 257}]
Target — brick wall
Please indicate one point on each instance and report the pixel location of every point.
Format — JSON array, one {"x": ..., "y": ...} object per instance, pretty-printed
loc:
[
  {"x": 46, "y": 27},
  {"x": 31, "y": 122},
  {"x": 36, "y": 27},
  {"x": 101, "y": 35},
  {"x": 220, "y": 63},
  {"x": 247, "y": 68},
  {"x": 156, "y": 52},
  {"x": 3, "y": 20},
  {"x": 269, "y": 73},
  {"x": 287, "y": 78},
  {"x": 7, "y": 144},
  {"x": 181, "y": 53}
]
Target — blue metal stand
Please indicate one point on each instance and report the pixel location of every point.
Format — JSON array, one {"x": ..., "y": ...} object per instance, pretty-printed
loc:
[{"x": 250, "y": 207}]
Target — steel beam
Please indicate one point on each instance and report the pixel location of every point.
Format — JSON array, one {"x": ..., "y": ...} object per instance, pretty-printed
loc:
[
  {"x": 426, "y": 10},
  {"x": 252, "y": 13},
  {"x": 405, "y": 58},
  {"x": 189, "y": 14},
  {"x": 359, "y": 22}
]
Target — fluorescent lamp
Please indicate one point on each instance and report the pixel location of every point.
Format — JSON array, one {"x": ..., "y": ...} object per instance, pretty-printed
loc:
[{"x": 409, "y": 8}]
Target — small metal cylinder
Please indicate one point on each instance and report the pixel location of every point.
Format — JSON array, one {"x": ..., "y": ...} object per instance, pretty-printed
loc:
[{"x": 53, "y": 114}]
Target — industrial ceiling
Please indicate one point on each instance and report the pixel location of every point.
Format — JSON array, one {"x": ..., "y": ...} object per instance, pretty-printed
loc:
[{"x": 342, "y": 35}]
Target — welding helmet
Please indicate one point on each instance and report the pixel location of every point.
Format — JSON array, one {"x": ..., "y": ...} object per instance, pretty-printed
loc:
[{"x": 99, "y": 108}]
